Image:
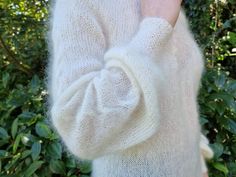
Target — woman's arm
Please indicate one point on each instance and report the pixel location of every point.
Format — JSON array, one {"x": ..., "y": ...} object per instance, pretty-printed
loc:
[
  {"x": 168, "y": 9},
  {"x": 103, "y": 100}
]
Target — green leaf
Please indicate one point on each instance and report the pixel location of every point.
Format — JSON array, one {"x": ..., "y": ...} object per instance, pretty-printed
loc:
[
  {"x": 13, "y": 163},
  {"x": 227, "y": 24},
  {"x": 14, "y": 128},
  {"x": 218, "y": 149},
  {"x": 85, "y": 166},
  {"x": 26, "y": 115},
  {"x": 3, "y": 133},
  {"x": 221, "y": 167},
  {"x": 57, "y": 167},
  {"x": 16, "y": 143},
  {"x": 28, "y": 118},
  {"x": 71, "y": 163},
  {"x": 220, "y": 107},
  {"x": 27, "y": 139},
  {"x": 232, "y": 167},
  {"x": 36, "y": 149},
  {"x": 32, "y": 168},
  {"x": 203, "y": 120},
  {"x": 54, "y": 149},
  {"x": 220, "y": 80},
  {"x": 231, "y": 126},
  {"x": 5, "y": 79},
  {"x": 35, "y": 84},
  {"x": 43, "y": 130},
  {"x": 71, "y": 171},
  {"x": 227, "y": 98},
  {"x": 231, "y": 86},
  {"x": 3, "y": 153},
  {"x": 232, "y": 38},
  {"x": 18, "y": 98},
  {"x": 25, "y": 153}
]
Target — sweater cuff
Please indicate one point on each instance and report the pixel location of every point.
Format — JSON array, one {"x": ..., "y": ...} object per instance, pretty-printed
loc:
[
  {"x": 146, "y": 76},
  {"x": 203, "y": 165},
  {"x": 206, "y": 150},
  {"x": 153, "y": 33}
]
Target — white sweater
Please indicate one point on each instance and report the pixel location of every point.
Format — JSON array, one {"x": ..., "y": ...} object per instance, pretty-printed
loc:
[{"x": 123, "y": 89}]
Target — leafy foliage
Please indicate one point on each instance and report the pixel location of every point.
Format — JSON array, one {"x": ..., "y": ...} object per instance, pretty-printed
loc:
[
  {"x": 30, "y": 147},
  {"x": 218, "y": 118},
  {"x": 214, "y": 26}
]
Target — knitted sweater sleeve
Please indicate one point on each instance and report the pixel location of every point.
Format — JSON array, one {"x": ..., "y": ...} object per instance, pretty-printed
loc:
[
  {"x": 206, "y": 152},
  {"x": 103, "y": 99}
]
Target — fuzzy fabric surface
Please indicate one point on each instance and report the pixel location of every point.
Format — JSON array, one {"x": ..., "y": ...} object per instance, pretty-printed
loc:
[{"x": 123, "y": 89}]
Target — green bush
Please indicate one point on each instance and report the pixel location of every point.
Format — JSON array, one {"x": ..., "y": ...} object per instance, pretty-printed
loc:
[
  {"x": 30, "y": 147},
  {"x": 214, "y": 26},
  {"x": 218, "y": 119}
]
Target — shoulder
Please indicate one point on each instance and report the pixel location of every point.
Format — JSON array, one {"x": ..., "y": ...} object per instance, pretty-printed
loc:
[{"x": 64, "y": 12}]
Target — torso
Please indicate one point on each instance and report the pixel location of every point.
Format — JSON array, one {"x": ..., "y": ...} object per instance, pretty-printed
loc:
[{"x": 187, "y": 62}]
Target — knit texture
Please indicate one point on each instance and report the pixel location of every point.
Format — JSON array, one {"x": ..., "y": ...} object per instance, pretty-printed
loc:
[{"x": 123, "y": 89}]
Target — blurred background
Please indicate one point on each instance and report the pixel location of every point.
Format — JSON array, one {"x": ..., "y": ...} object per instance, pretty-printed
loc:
[{"x": 30, "y": 148}]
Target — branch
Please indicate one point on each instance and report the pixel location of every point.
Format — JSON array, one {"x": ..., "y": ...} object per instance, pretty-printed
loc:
[{"x": 12, "y": 58}]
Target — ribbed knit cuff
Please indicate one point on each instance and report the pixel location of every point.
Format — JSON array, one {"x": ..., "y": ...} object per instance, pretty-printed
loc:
[{"x": 153, "y": 33}]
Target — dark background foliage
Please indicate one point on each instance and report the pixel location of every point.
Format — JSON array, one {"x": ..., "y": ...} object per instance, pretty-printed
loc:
[
  {"x": 214, "y": 27},
  {"x": 29, "y": 146}
]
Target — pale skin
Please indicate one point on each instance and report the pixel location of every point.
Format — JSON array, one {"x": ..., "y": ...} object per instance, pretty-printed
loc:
[{"x": 167, "y": 9}]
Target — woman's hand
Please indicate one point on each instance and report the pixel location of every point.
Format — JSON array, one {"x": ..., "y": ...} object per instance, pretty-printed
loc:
[
  {"x": 168, "y": 9},
  {"x": 205, "y": 175}
]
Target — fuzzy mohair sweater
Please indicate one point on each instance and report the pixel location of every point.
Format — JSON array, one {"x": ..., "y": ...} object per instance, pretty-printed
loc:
[{"x": 123, "y": 89}]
